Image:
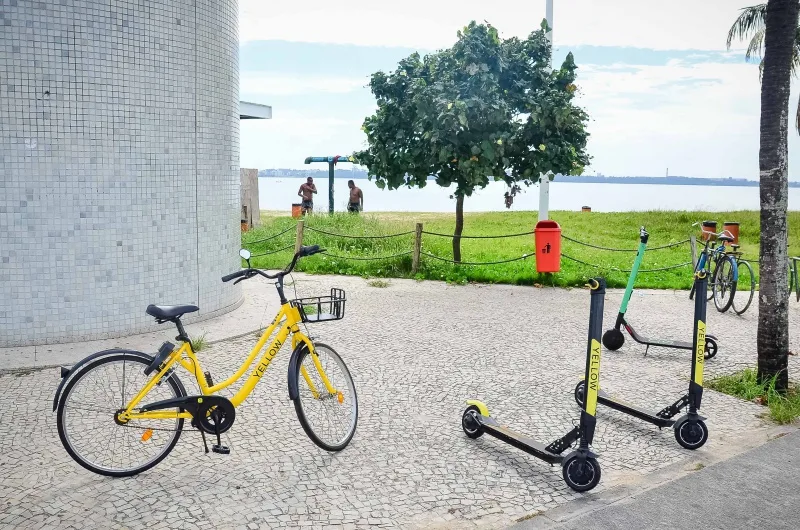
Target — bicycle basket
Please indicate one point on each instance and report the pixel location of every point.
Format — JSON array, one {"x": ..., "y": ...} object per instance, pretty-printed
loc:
[{"x": 321, "y": 308}]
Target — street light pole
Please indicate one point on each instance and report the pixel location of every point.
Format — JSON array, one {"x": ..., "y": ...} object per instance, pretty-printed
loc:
[{"x": 544, "y": 179}]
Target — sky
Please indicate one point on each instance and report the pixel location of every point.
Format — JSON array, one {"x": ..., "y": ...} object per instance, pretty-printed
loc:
[{"x": 662, "y": 91}]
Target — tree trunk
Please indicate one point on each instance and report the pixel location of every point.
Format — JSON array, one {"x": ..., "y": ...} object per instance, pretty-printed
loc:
[
  {"x": 460, "y": 228},
  {"x": 773, "y": 158}
]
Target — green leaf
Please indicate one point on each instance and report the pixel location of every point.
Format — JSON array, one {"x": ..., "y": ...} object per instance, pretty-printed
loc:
[{"x": 513, "y": 112}]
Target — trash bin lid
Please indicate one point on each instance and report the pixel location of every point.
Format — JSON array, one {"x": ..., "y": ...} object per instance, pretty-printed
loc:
[{"x": 547, "y": 225}]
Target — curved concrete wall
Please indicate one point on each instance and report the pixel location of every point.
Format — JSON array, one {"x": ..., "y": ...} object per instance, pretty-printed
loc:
[{"x": 119, "y": 164}]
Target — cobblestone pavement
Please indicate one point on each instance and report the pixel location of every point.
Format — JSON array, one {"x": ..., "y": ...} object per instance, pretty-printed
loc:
[{"x": 416, "y": 351}]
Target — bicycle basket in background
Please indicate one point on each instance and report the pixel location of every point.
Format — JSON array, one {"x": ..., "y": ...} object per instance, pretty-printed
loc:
[{"x": 321, "y": 308}]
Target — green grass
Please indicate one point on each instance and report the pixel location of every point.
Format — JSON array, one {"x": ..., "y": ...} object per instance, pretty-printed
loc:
[
  {"x": 783, "y": 408},
  {"x": 378, "y": 283},
  {"x": 199, "y": 343},
  {"x": 616, "y": 230}
]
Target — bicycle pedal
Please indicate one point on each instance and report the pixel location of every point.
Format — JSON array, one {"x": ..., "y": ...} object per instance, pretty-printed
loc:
[{"x": 221, "y": 449}]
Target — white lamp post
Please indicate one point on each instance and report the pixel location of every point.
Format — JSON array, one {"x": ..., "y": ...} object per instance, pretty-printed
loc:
[{"x": 544, "y": 179}]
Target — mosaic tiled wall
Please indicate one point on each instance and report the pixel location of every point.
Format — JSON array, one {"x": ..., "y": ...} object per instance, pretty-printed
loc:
[{"x": 119, "y": 164}]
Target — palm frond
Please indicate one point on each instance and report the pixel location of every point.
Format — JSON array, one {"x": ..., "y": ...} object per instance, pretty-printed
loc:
[
  {"x": 755, "y": 46},
  {"x": 796, "y": 54},
  {"x": 797, "y": 120},
  {"x": 751, "y": 20}
]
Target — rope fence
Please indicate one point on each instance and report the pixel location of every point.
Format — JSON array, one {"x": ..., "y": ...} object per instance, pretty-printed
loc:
[
  {"x": 451, "y": 236},
  {"x": 417, "y": 251},
  {"x": 273, "y": 251},
  {"x": 358, "y": 237},
  {"x": 272, "y": 236},
  {"x": 434, "y": 256},
  {"x": 634, "y": 250},
  {"x": 670, "y": 267},
  {"x": 400, "y": 254}
]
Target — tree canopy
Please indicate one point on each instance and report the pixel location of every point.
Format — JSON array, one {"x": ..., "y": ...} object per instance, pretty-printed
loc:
[{"x": 484, "y": 109}]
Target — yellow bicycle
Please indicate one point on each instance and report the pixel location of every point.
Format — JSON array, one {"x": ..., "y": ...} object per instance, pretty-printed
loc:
[{"x": 121, "y": 412}]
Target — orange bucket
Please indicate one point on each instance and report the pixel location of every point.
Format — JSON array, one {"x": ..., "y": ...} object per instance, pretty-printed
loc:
[
  {"x": 297, "y": 210},
  {"x": 733, "y": 228},
  {"x": 709, "y": 229},
  {"x": 548, "y": 246}
]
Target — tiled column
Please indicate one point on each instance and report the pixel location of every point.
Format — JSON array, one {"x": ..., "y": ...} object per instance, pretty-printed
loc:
[{"x": 119, "y": 177}]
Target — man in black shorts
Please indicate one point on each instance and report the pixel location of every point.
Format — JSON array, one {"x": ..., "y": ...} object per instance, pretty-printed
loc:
[
  {"x": 356, "y": 203},
  {"x": 307, "y": 191}
]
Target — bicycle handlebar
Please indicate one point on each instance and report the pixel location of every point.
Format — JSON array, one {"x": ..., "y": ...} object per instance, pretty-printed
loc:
[
  {"x": 234, "y": 275},
  {"x": 250, "y": 272}
]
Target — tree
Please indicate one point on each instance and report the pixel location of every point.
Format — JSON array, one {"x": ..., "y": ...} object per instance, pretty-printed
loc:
[
  {"x": 751, "y": 24},
  {"x": 486, "y": 108},
  {"x": 780, "y": 46}
]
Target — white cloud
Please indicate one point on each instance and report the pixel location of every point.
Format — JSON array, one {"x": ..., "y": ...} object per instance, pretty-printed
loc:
[
  {"x": 678, "y": 24},
  {"x": 292, "y": 135},
  {"x": 698, "y": 120},
  {"x": 276, "y": 84}
]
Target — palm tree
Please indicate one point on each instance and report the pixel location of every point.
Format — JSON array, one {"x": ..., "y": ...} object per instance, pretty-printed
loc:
[
  {"x": 751, "y": 24},
  {"x": 780, "y": 41}
]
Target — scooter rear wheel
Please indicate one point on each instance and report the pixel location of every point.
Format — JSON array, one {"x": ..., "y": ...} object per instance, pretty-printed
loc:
[
  {"x": 581, "y": 474},
  {"x": 613, "y": 339},
  {"x": 711, "y": 348},
  {"x": 472, "y": 428}
]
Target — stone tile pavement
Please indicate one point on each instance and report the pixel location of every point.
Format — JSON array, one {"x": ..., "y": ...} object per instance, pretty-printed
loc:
[{"x": 416, "y": 351}]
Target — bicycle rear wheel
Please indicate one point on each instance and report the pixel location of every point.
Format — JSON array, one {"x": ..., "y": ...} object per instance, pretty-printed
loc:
[
  {"x": 745, "y": 287},
  {"x": 327, "y": 413},
  {"x": 724, "y": 283},
  {"x": 87, "y": 422}
]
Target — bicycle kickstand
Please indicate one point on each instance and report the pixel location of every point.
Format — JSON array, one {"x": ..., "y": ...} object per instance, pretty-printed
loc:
[
  {"x": 203, "y": 434},
  {"x": 219, "y": 448}
]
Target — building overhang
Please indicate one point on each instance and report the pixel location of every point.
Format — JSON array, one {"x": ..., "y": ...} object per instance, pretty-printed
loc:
[{"x": 254, "y": 111}]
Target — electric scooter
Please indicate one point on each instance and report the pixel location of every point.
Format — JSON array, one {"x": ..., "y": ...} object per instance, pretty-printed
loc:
[
  {"x": 613, "y": 339},
  {"x": 690, "y": 430},
  {"x": 579, "y": 468}
]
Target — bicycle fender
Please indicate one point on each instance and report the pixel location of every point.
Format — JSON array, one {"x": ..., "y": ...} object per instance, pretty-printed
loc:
[
  {"x": 66, "y": 373},
  {"x": 294, "y": 388}
]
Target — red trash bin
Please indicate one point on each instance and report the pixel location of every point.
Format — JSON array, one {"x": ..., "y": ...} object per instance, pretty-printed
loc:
[{"x": 548, "y": 246}]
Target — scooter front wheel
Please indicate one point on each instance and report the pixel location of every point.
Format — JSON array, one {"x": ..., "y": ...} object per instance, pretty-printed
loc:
[
  {"x": 613, "y": 339},
  {"x": 580, "y": 392},
  {"x": 581, "y": 473},
  {"x": 691, "y": 434}
]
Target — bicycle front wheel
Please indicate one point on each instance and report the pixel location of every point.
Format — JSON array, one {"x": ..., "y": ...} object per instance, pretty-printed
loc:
[
  {"x": 745, "y": 288},
  {"x": 327, "y": 405},
  {"x": 87, "y": 422},
  {"x": 724, "y": 283}
]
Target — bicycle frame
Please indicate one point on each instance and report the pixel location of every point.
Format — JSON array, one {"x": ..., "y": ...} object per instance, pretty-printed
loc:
[
  {"x": 186, "y": 357},
  {"x": 706, "y": 257}
]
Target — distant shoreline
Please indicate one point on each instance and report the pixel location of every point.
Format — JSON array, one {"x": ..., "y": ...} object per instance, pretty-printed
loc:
[{"x": 584, "y": 179}]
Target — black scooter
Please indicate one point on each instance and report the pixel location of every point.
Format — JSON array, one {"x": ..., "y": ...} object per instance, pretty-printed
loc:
[
  {"x": 579, "y": 468},
  {"x": 690, "y": 430},
  {"x": 613, "y": 339}
]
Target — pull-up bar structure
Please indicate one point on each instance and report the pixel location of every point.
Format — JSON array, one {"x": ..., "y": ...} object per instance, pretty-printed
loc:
[{"x": 332, "y": 161}]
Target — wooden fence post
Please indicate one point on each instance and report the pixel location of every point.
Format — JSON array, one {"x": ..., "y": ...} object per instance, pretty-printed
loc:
[
  {"x": 417, "y": 249},
  {"x": 693, "y": 244},
  {"x": 298, "y": 242}
]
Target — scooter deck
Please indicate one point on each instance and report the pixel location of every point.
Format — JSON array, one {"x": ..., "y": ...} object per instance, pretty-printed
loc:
[
  {"x": 520, "y": 441},
  {"x": 604, "y": 399},
  {"x": 679, "y": 344}
]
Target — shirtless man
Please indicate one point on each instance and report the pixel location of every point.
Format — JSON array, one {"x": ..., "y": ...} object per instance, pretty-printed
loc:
[
  {"x": 356, "y": 203},
  {"x": 306, "y": 192}
]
